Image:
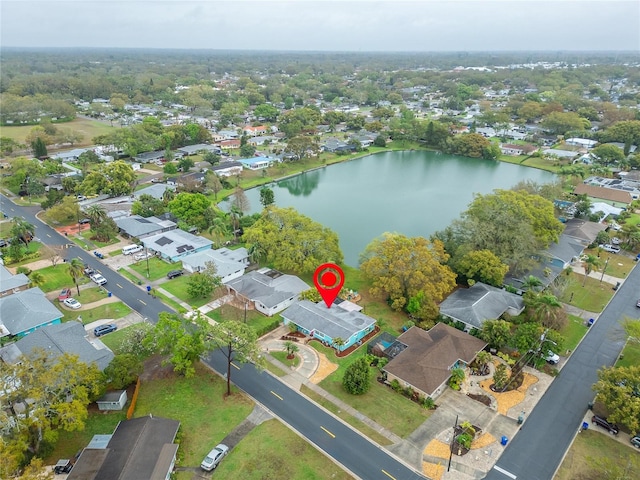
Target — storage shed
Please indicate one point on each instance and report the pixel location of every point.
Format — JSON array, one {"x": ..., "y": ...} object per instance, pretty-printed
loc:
[{"x": 115, "y": 400}]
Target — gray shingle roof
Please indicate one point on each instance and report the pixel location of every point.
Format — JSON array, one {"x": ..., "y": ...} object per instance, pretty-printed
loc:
[
  {"x": 175, "y": 243},
  {"x": 259, "y": 287},
  {"x": 479, "y": 303},
  {"x": 9, "y": 281},
  {"x": 334, "y": 322},
  {"x": 137, "y": 226},
  {"x": 156, "y": 190},
  {"x": 27, "y": 309},
  {"x": 227, "y": 261},
  {"x": 69, "y": 337}
]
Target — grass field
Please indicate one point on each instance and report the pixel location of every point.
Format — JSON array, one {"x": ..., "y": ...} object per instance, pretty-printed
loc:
[
  {"x": 282, "y": 357},
  {"x": 89, "y": 128},
  {"x": 56, "y": 278},
  {"x": 593, "y": 297},
  {"x": 157, "y": 268},
  {"x": 630, "y": 355},
  {"x": 178, "y": 287},
  {"x": 619, "y": 265},
  {"x": 271, "y": 450},
  {"x": 593, "y": 446},
  {"x": 573, "y": 332},
  {"x": 111, "y": 311}
]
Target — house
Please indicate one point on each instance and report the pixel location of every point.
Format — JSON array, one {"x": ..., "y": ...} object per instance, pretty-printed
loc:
[
  {"x": 139, "y": 448},
  {"x": 254, "y": 131},
  {"x": 256, "y": 163},
  {"x": 229, "y": 144},
  {"x": 227, "y": 169},
  {"x": 149, "y": 157},
  {"x": 581, "y": 142},
  {"x": 135, "y": 226},
  {"x": 230, "y": 264},
  {"x": 195, "y": 149},
  {"x": 583, "y": 230},
  {"x": 115, "y": 400},
  {"x": 25, "y": 311},
  {"x": 10, "y": 283},
  {"x": 156, "y": 190},
  {"x": 618, "y": 197},
  {"x": 473, "y": 306},
  {"x": 556, "y": 152},
  {"x": 563, "y": 253},
  {"x": 58, "y": 339},
  {"x": 510, "y": 149},
  {"x": 329, "y": 324},
  {"x": 176, "y": 244},
  {"x": 423, "y": 360},
  {"x": 70, "y": 155},
  {"x": 269, "y": 290},
  {"x": 193, "y": 179},
  {"x": 335, "y": 145}
]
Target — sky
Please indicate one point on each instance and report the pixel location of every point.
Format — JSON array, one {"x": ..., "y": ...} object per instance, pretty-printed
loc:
[{"x": 325, "y": 25}]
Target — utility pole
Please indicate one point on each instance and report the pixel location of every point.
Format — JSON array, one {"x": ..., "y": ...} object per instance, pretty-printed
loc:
[{"x": 606, "y": 262}]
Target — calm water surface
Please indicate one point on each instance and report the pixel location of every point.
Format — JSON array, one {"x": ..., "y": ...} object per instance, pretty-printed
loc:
[{"x": 414, "y": 193}]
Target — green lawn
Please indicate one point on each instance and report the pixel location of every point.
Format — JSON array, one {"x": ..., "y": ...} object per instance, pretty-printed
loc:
[
  {"x": 172, "y": 303},
  {"x": 618, "y": 266},
  {"x": 206, "y": 416},
  {"x": 157, "y": 268},
  {"x": 56, "y": 278},
  {"x": 31, "y": 250},
  {"x": 271, "y": 450},
  {"x": 127, "y": 274},
  {"x": 258, "y": 321},
  {"x": 573, "y": 332},
  {"x": 108, "y": 311},
  {"x": 593, "y": 297},
  {"x": 381, "y": 404},
  {"x": 592, "y": 445},
  {"x": 5, "y": 228},
  {"x": 282, "y": 357},
  {"x": 114, "y": 339},
  {"x": 178, "y": 287},
  {"x": 87, "y": 234},
  {"x": 630, "y": 355},
  {"x": 89, "y": 128},
  {"x": 90, "y": 295}
]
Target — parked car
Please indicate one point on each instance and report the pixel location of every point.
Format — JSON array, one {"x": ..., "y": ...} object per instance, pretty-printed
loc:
[
  {"x": 552, "y": 357},
  {"x": 64, "y": 294},
  {"x": 174, "y": 274},
  {"x": 72, "y": 303},
  {"x": 83, "y": 221},
  {"x": 615, "y": 241},
  {"x": 602, "y": 422},
  {"x": 142, "y": 256},
  {"x": 97, "y": 278},
  {"x": 638, "y": 303},
  {"x": 81, "y": 198},
  {"x": 635, "y": 441},
  {"x": 63, "y": 466},
  {"x": 104, "y": 329},
  {"x": 3, "y": 243},
  {"x": 214, "y": 457},
  {"x": 607, "y": 247}
]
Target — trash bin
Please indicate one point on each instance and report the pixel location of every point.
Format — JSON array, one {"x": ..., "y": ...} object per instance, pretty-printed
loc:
[
  {"x": 591, "y": 321},
  {"x": 504, "y": 440},
  {"x": 148, "y": 288},
  {"x": 585, "y": 425},
  {"x": 108, "y": 294}
]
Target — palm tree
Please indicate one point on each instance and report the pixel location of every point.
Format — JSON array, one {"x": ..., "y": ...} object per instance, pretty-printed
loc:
[
  {"x": 76, "y": 269},
  {"x": 291, "y": 349},
  {"x": 338, "y": 342},
  {"x": 22, "y": 230},
  {"x": 257, "y": 252},
  {"x": 220, "y": 228},
  {"x": 531, "y": 283},
  {"x": 168, "y": 195},
  {"x": 36, "y": 279},
  {"x": 589, "y": 263},
  {"x": 96, "y": 214},
  {"x": 547, "y": 309}
]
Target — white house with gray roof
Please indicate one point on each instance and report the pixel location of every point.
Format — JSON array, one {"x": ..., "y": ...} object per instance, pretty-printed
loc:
[
  {"x": 473, "y": 306},
  {"x": 56, "y": 340},
  {"x": 230, "y": 264},
  {"x": 176, "y": 244},
  {"x": 10, "y": 283},
  {"x": 329, "y": 324},
  {"x": 269, "y": 290},
  {"x": 136, "y": 226},
  {"x": 156, "y": 190},
  {"x": 25, "y": 311}
]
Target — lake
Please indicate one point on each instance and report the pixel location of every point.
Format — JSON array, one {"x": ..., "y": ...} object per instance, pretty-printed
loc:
[{"x": 415, "y": 193}]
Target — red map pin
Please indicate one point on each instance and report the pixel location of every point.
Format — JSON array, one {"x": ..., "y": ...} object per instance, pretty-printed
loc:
[{"x": 328, "y": 279}]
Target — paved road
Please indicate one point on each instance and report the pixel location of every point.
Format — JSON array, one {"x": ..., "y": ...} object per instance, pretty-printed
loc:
[
  {"x": 537, "y": 450},
  {"x": 364, "y": 459},
  {"x": 133, "y": 296}
]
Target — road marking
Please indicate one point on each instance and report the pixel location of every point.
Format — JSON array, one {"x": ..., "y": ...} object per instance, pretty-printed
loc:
[
  {"x": 504, "y": 472},
  {"x": 276, "y": 395},
  {"x": 329, "y": 433},
  {"x": 389, "y": 475},
  {"x": 48, "y": 235},
  {"x": 234, "y": 365},
  {"x": 118, "y": 285},
  {"x": 141, "y": 302}
]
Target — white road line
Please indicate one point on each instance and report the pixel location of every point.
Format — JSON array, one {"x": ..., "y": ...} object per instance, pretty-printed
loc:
[{"x": 504, "y": 472}]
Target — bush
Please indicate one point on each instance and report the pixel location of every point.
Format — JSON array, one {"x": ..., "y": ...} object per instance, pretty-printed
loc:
[
  {"x": 464, "y": 439},
  {"x": 428, "y": 403},
  {"x": 267, "y": 328},
  {"x": 395, "y": 385},
  {"x": 357, "y": 377}
]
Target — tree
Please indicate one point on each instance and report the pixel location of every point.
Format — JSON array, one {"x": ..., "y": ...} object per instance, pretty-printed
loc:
[
  {"x": 213, "y": 183},
  {"x": 53, "y": 253},
  {"x": 240, "y": 200},
  {"x": 39, "y": 148},
  {"x": 22, "y": 231},
  {"x": 291, "y": 241},
  {"x": 204, "y": 283},
  {"x": 170, "y": 169},
  {"x": 301, "y": 146},
  {"x": 247, "y": 150},
  {"x": 53, "y": 394},
  {"x": 456, "y": 379},
  {"x": 191, "y": 208},
  {"x": 500, "y": 377},
  {"x": 632, "y": 328},
  {"x": 96, "y": 214},
  {"x": 185, "y": 164},
  {"x": 182, "y": 340},
  {"x": 238, "y": 342},
  {"x": 589, "y": 263},
  {"x": 496, "y": 333},
  {"x": 608, "y": 154},
  {"x": 266, "y": 112},
  {"x": 212, "y": 158},
  {"x": 291, "y": 349},
  {"x": 400, "y": 267},
  {"x": 526, "y": 337},
  {"x": 76, "y": 269},
  {"x": 482, "y": 266},
  {"x": 618, "y": 388},
  {"x": 380, "y": 141},
  {"x": 148, "y": 206},
  {"x": 532, "y": 283},
  {"x": 36, "y": 279},
  {"x": 115, "y": 178},
  {"x": 545, "y": 309},
  {"x": 123, "y": 370},
  {"x": 560, "y": 123},
  {"x": 357, "y": 377},
  {"x": 266, "y": 197}
]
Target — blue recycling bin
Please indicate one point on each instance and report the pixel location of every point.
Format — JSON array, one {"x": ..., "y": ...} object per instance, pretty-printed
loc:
[
  {"x": 585, "y": 425},
  {"x": 591, "y": 321},
  {"x": 504, "y": 440},
  {"x": 109, "y": 294},
  {"x": 148, "y": 288}
]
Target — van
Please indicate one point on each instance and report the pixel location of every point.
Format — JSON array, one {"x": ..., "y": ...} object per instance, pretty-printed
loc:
[{"x": 131, "y": 249}]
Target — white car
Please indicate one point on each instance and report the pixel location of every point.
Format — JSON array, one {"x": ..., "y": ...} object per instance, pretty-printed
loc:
[
  {"x": 607, "y": 247},
  {"x": 552, "y": 357},
  {"x": 99, "y": 279},
  {"x": 142, "y": 256},
  {"x": 214, "y": 457},
  {"x": 72, "y": 303}
]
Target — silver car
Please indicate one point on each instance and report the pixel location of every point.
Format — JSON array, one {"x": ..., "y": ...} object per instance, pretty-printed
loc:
[{"x": 214, "y": 457}]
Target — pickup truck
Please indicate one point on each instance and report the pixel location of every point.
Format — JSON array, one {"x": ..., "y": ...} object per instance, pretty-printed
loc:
[{"x": 97, "y": 278}]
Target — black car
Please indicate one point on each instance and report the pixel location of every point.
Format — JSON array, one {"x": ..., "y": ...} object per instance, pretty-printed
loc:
[
  {"x": 104, "y": 329},
  {"x": 84, "y": 221},
  {"x": 174, "y": 274},
  {"x": 3, "y": 243},
  {"x": 602, "y": 422}
]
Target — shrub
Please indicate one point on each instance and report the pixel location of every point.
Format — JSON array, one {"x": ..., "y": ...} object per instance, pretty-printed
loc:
[
  {"x": 357, "y": 377},
  {"x": 464, "y": 440},
  {"x": 395, "y": 385},
  {"x": 428, "y": 403},
  {"x": 457, "y": 377}
]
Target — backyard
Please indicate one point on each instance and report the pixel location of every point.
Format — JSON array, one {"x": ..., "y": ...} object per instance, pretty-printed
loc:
[{"x": 593, "y": 297}]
